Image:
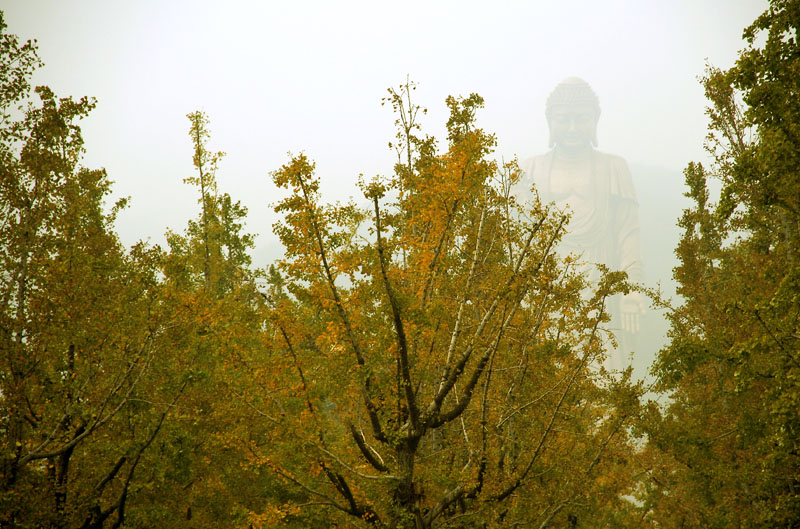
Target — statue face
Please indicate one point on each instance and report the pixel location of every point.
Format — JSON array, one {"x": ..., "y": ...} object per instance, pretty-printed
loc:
[{"x": 572, "y": 126}]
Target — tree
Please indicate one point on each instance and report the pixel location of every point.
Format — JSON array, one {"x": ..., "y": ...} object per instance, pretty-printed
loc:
[
  {"x": 78, "y": 321},
  {"x": 432, "y": 362},
  {"x": 423, "y": 361},
  {"x": 725, "y": 452},
  {"x": 215, "y": 334}
]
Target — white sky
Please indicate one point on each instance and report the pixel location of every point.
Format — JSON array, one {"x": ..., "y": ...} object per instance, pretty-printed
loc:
[{"x": 309, "y": 76}]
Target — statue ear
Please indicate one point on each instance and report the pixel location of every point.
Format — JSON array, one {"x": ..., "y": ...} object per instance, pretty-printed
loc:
[
  {"x": 550, "y": 141},
  {"x": 594, "y": 139}
]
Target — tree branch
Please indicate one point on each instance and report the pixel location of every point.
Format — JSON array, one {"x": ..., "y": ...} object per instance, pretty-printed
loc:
[
  {"x": 377, "y": 430},
  {"x": 587, "y": 349},
  {"x": 358, "y": 437},
  {"x": 457, "y": 326},
  {"x": 402, "y": 345}
]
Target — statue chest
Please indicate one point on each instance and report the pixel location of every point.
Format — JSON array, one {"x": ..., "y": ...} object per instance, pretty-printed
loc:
[{"x": 573, "y": 183}]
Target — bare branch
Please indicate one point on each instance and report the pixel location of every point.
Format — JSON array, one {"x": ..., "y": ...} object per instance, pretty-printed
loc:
[
  {"x": 584, "y": 358},
  {"x": 464, "y": 298},
  {"x": 356, "y": 472},
  {"x": 452, "y": 375},
  {"x": 358, "y": 437}
]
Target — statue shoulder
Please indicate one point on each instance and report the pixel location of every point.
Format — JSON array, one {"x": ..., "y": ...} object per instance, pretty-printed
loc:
[
  {"x": 534, "y": 162},
  {"x": 620, "y": 180},
  {"x": 614, "y": 162},
  {"x": 533, "y": 171},
  {"x": 535, "y": 167}
]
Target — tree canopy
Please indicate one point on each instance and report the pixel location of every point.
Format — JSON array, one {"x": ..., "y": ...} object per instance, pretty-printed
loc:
[
  {"x": 419, "y": 357},
  {"x": 726, "y": 448},
  {"x": 439, "y": 360}
]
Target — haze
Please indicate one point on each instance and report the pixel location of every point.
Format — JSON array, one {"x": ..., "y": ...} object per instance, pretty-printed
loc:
[{"x": 309, "y": 76}]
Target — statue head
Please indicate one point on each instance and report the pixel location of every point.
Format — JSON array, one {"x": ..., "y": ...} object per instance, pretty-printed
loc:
[{"x": 572, "y": 114}]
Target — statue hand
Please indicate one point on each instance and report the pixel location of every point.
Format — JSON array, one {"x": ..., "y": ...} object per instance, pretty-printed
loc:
[{"x": 632, "y": 306}]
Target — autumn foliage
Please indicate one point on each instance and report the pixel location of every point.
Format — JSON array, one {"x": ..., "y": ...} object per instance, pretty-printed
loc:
[
  {"x": 419, "y": 357},
  {"x": 725, "y": 452},
  {"x": 432, "y": 357}
]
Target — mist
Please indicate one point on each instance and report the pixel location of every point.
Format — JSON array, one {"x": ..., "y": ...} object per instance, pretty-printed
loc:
[{"x": 310, "y": 76}]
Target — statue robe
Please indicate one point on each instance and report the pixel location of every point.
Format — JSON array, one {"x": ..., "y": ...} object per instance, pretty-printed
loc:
[
  {"x": 603, "y": 229},
  {"x": 604, "y": 223}
]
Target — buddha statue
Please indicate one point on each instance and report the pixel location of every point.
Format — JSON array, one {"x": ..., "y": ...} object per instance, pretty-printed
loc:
[{"x": 598, "y": 191}]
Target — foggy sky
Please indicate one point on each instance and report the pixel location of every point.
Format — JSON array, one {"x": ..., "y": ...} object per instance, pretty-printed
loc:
[{"x": 309, "y": 76}]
